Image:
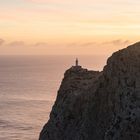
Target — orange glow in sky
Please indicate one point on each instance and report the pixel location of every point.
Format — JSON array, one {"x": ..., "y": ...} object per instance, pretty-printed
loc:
[{"x": 67, "y": 26}]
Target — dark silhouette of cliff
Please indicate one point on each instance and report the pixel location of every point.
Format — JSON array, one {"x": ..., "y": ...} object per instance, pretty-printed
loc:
[{"x": 95, "y": 105}]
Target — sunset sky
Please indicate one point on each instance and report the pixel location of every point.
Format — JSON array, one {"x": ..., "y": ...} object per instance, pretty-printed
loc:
[{"x": 51, "y": 27}]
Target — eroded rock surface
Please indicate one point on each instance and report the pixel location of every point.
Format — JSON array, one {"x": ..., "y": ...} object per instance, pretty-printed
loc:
[{"x": 95, "y": 105}]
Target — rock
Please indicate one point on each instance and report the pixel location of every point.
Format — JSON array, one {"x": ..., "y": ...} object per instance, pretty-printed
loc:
[{"x": 95, "y": 105}]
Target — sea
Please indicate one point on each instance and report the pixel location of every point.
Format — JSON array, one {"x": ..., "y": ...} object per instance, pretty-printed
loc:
[{"x": 28, "y": 89}]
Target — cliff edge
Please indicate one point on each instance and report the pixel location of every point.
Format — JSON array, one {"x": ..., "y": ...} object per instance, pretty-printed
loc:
[{"x": 94, "y": 105}]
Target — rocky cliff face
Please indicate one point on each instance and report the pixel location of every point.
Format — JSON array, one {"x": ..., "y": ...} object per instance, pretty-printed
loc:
[{"x": 99, "y": 105}]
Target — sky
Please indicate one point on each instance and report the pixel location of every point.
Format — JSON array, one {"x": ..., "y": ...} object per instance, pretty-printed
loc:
[{"x": 67, "y": 27}]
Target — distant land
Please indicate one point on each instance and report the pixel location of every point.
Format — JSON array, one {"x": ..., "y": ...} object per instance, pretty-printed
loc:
[{"x": 93, "y": 105}]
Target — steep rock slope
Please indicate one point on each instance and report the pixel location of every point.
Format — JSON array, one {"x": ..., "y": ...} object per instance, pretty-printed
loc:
[
  {"x": 99, "y": 105},
  {"x": 69, "y": 108}
]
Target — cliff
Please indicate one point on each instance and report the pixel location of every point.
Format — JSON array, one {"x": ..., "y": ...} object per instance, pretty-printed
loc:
[{"x": 95, "y": 105}]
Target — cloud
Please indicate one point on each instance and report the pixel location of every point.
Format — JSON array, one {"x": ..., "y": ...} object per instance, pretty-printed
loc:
[
  {"x": 71, "y": 44},
  {"x": 118, "y": 42},
  {"x": 22, "y": 44},
  {"x": 86, "y": 44},
  {"x": 16, "y": 44},
  {"x": 1, "y": 41},
  {"x": 40, "y": 44}
]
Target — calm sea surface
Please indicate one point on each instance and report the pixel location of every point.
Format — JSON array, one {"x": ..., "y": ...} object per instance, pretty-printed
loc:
[{"x": 28, "y": 88}]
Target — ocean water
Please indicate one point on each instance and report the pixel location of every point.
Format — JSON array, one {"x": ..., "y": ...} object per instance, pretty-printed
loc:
[{"x": 28, "y": 88}]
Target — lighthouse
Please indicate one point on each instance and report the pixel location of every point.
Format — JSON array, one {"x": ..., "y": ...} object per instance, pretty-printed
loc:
[
  {"x": 76, "y": 66},
  {"x": 76, "y": 62}
]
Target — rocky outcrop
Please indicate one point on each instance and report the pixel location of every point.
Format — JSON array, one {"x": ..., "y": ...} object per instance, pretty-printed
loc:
[{"x": 95, "y": 105}]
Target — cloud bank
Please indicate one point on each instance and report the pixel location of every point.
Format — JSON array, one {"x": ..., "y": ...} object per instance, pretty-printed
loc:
[
  {"x": 118, "y": 42},
  {"x": 16, "y": 44},
  {"x": 1, "y": 41},
  {"x": 5, "y": 43}
]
